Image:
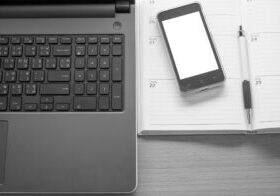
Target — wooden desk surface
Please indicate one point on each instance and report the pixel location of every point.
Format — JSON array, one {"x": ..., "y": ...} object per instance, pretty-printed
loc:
[{"x": 209, "y": 165}]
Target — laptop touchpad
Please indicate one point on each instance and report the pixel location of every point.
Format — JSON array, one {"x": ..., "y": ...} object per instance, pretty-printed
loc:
[{"x": 3, "y": 146}]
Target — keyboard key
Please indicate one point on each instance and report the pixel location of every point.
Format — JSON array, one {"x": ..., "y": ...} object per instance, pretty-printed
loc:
[
  {"x": 9, "y": 63},
  {"x": 80, "y": 51},
  {"x": 50, "y": 63},
  {"x": 105, "y": 40},
  {"x": 10, "y": 76},
  {"x": 105, "y": 50},
  {"x": 104, "y": 62},
  {"x": 92, "y": 63},
  {"x": 15, "y": 40},
  {"x": 117, "y": 50},
  {"x": 63, "y": 50},
  {"x": 59, "y": 76},
  {"x": 54, "y": 89},
  {"x": 62, "y": 107},
  {"x": 28, "y": 40},
  {"x": 38, "y": 76},
  {"x": 46, "y": 107},
  {"x": 117, "y": 69},
  {"x": 40, "y": 40},
  {"x": 36, "y": 63},
  {"x": 104, "y": 103},
  {"x": 84, "y": 103},
  {"x": 30, "y": 51},
  {"x": 44, "y": 51},
  {"x": 80, "y": 63},
  {"x": 4, "y": 89},
  {"x": 104, "y": 75},
  {"x": 104, "y": 88},
  {"x": 117, "y": 39},
  {"x": 4, "y": 51},
  {"x": 92, "y": 40},
  {"x": 116, "y": 96},
  {"x": 66, "y": 40},
  {"x": 92, "y": 50},
  {"x": 79, "y": 76},
  {"x": 80, "y": 40},
  {"x": 91, "y": 76},
  {"x": 30, "y": 89},
  {"x": 3, "y": 103},
  {"x": 15, "y": 103},
  {"x": 91, "y": 88},
  {"x": 16, "y": 51},
  {"x": 79, "y": 89},
  {"x": 16, "y": 89},
  {"x": 65, "y": 63},
  {"x": 52, "y": 40},
  {"x": 24, "y": 76},
  {"x": 22, "y": 63},
  {"x": 30, "y": 107},
  {"x": 4, "y": 40}
]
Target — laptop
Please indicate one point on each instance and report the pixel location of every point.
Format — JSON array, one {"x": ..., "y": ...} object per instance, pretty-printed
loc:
[{"x": 67, "y": 96}]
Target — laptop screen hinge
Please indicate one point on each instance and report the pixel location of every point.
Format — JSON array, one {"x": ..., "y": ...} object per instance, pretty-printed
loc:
[
  {"x": 58, "y": 11},
  {"x": 122, "y": 6}
]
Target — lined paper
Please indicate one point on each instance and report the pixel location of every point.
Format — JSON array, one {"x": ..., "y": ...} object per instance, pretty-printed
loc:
[
  {"x": 216, "y": 109},
  {"x": 162, "y": 106},
  {"x": 262, "y": 16},
  {"x": 263, "y": 30}
]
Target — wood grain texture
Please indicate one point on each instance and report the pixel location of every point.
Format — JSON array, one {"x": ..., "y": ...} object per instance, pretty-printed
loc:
[
  {"x": 216, "y": 165},
  {"x": 209, "y": 165}
]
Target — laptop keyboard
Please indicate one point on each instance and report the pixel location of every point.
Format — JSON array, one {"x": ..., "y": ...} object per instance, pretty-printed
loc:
[{"x": 61, "y": 73}]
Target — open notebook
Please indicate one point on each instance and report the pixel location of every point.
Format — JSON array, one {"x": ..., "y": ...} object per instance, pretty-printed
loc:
[{"x": 164, "y": 110}]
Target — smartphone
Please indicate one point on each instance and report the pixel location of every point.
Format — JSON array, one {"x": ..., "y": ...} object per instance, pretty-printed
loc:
[{"x": 191, "y": 48}]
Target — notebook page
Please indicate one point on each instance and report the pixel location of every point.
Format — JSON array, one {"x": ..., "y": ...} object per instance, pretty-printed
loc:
[
  {"x": 162, "y": 106},
  {"x": 263, "y": 27}
]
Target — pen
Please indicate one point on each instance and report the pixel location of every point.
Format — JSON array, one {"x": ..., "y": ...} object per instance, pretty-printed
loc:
[{"x": 246, "y": 86}]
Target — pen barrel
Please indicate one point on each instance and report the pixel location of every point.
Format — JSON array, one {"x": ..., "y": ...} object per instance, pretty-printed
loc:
[
  {"x": 247, "y": 94},
  {"x": 244, "y": 58}
]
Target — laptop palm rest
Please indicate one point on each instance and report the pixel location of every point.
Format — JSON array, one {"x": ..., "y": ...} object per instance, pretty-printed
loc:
[{"x": 3, "y": 147}]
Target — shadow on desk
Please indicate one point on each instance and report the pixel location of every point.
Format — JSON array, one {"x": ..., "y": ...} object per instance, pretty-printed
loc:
[{"x": 269, "y": 144}]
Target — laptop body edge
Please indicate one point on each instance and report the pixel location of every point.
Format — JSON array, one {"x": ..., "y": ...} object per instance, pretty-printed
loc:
[{"x": 74, "y": 152}]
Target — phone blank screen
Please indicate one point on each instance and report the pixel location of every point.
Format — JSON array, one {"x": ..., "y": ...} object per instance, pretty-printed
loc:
[{"x": 190, "y": 46}]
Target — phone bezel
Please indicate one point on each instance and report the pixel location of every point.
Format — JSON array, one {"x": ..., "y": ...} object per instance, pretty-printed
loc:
[{"x": 198, "y": 81}]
